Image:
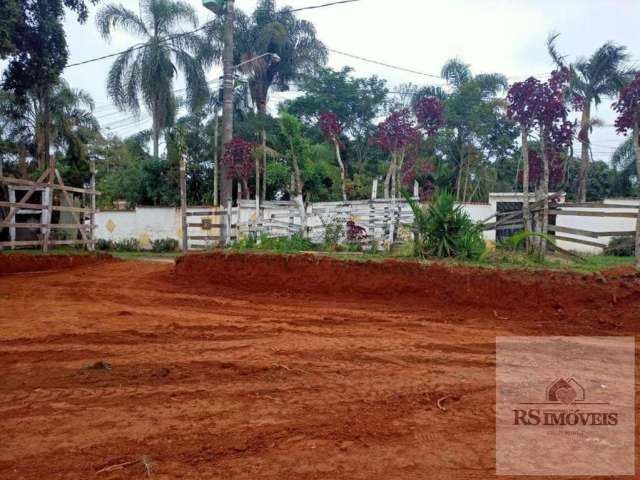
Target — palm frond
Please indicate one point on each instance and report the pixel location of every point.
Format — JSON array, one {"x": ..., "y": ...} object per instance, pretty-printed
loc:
[
  {"x": 456, "y": 72},
  {"x": 115, "y": 17}
]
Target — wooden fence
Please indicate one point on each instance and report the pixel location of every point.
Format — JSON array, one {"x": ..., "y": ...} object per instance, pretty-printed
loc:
[
  {"x": 52, "y": 191},
  {"x": 385, "y": 221}
]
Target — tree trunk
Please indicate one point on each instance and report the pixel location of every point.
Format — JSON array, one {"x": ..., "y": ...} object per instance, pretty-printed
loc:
[
  {"x": 459, "y": 179},
  {"x": 297, "y": 180},
  {"x": 263, "y": 190},
  {"x": 23, "y": 162},
  {"x": 216, "y": 163},
  {"x": 388, "y": 177},
  {"x": 398, "y": 172},
  {"x": 526, "y": 214},
  {"x": 47, "y": 132},
  {"x": 394, "y": 174},
  {"x": 343, "y": 174},
  {"x": 545, "y": 194},
  {"x": 226, "y": 183},
  {"x": 636, "y": 149},
  {"x": 584, "y": 151},
  {"x": 183, "y": 201},
  {"x": 155, "y": 132}
]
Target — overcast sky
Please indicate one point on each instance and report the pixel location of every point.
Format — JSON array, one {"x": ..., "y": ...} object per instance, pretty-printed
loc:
[{"x": 505, "y": 36}]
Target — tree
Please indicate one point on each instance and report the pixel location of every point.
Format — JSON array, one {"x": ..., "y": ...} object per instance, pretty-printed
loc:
[
  {"x": 297, "y": 151},
  {"x": 239, "y": 160},
  {"x": 475, "y": 128},
  {"x": 395, "y": 134},
  {"x": 600, "y": 75},
  {"x": 34, "y": 42},
  {"x": 332, "y": 130},
  {"x": 628, "y": 109},
  {"x": 71, "y": 123},
  {"x": 429, "y": 112},
  {"x": 147, "y": 74},
  {"x": 270, "y": 31}
]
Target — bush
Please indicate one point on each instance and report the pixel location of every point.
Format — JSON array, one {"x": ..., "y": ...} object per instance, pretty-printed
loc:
[
  {"x": 164, "y": 245},
  {"x": 445, "y": 229},
  {"x": 285, "y": 244},
  {"x": 333, "y": 232},
  {"x": 104, "y": 244},
  {"x": 621, "y": 247},
  {"x": 127, "y": 245}
]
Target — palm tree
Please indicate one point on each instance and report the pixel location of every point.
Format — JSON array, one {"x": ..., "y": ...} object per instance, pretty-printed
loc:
[
  {"x": 464, "y": 110},
  {"x": 600, "y": 75},
  {"x": 71, "y": 112},
  {"x": 269, "y": 31},
  {"x": 146, "y": 72}
]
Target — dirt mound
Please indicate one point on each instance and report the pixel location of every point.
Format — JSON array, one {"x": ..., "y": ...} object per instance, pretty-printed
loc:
[
  {"x": 418, "y": 283},
  {"x": 20, "y": 263}
]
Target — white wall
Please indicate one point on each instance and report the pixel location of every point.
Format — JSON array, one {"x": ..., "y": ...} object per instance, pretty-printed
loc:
[{"x": 144, "y": 224}]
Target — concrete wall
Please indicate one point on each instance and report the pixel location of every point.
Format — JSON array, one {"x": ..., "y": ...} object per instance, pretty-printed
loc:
[{"x": 144, "y": 224}]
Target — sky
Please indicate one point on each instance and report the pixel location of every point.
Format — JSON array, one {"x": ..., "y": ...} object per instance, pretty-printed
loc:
[{"x": 504, "y": 36}]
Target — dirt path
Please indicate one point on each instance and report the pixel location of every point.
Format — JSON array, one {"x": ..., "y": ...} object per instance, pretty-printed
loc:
[{"x": 211, "y": 382}]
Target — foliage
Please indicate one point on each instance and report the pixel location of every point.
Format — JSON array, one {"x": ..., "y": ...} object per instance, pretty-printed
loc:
[
  {"x": 239, "y": 160},
  {"x": 164, "y": 245},
  {"x": 397, "y": 131},
  {"x": 331, "y": 128},
  {"x": 270, "y": 30},
  {"x": 430, "y": 114},
  {"x": 516, "y": 240},
  {"x": 33, "y": 38},
  {"x": 126, "y": 245},
  {"x": 355, "y": 232},
  {"x": 628, "y": 106},
  {"x": 146, "y": 75},
  {"x": 621, "y": 247},
  {"x": 333, "y": 232},
  {"x": 445, "y": 229},
  {"x": 103, "y": 244},
  {"x": 295, "y": 243}
]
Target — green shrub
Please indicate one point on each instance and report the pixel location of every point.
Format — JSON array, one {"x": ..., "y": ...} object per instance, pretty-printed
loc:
[
  {"x": 333, "y": 232},
  {"x": 104, "y": 244},
  {"x": 164, "y": 245},
  {"x": 126, "y": 245},
  {"x": 296, "y": 243},
  {"x": 445, "y": 229},
  {"x": 621, "y": 247}
]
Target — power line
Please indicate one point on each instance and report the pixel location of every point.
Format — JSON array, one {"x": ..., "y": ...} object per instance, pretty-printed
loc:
[
  {"x": 178, "y": 35},
  {"x": 383, "y": 64},
  {"x": 313, "y": 7}
]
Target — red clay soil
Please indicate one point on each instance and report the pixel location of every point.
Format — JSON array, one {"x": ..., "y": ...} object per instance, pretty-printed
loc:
[
  {"x": 257, "y": 367},
  {"x": 20, "y": 263}
]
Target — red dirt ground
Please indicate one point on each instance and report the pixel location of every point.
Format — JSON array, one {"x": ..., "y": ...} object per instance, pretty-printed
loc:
[{"x": 272, "y": 367}]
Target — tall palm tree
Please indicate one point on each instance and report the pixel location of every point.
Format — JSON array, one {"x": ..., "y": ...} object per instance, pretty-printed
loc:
[
  {"x": 147, "y": 74},
  {"x": 269, "y": 31},
  {"x": 600, "y": 75}
]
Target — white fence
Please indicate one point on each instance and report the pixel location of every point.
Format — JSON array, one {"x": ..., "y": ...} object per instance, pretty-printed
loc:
[{"x": 382, "y": 220}]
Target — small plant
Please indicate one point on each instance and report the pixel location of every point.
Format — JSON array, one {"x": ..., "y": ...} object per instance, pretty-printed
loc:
[
  {"x": 164, "y": 245},
  {"x": 621, "y": 247},
  {"x": 333, "y": 233},
  {"x": 445, "y": 229},
  {"x": 103, "y": 244},
  {"x": 127, "y": 245},
  {"x": 355, "y": 233}
]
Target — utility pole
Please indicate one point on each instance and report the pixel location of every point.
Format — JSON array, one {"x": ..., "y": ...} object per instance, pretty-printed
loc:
[{"x": 226, "y": 184}]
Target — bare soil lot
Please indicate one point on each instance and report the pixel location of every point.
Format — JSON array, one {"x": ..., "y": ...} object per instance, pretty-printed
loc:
[{"x": 276, "y": 367}]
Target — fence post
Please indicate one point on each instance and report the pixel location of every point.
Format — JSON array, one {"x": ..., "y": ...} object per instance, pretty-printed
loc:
[
  {"x": 227, "y": 222},
  {"x": 92, "y": 214},
  {"x": 374, "y": 189},
  {"x": 416, "y": 189}
]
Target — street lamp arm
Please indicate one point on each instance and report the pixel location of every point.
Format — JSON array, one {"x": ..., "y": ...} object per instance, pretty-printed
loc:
[{"x": 275, "y": 58}]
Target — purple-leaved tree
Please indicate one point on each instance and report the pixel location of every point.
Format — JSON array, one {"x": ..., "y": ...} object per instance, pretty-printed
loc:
[
  {"x": 394, "y": 136},
  {"x": 239, "y": 162},
  {"x": 628, "y": 109}
]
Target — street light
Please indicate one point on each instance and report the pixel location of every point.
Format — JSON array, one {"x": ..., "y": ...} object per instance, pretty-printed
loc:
[{"x": 275, "y": 58}]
